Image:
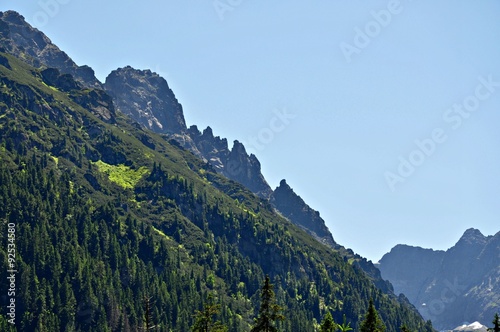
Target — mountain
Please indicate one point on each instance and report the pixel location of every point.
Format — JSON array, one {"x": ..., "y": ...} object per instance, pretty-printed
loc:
[
  {"x": 145, "y": 97},
  {"x": 20, "y": 39},
  {"x": 108, "y": 213},
  {"x": 449, "y": 287}
]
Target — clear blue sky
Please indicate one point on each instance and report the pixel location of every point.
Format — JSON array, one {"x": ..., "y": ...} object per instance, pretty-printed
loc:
[{"x": 363, "y": 81}]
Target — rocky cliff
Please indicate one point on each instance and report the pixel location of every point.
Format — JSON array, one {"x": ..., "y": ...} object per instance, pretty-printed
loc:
[
  {"x": 146, "y": 98},
  {"x": 453, "y": 287},
  {"x": 293, "y": 207}
]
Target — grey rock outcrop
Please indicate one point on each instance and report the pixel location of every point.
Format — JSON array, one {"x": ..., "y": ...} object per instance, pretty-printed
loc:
[
  {"x": 293, "y": 207},
  {"x": 146, "y": 97}
]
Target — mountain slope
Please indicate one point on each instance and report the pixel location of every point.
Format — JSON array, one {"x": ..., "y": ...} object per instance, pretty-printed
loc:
[
  {"x": 107, "y": 213},
  {"x": 147, "y": 99},
  {"x": 32, "y": 46},
  {"x": 450, "y": 287}
]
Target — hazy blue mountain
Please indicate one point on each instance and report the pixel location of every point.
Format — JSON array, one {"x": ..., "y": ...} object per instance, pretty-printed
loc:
[{"x": 453, "y": 287}]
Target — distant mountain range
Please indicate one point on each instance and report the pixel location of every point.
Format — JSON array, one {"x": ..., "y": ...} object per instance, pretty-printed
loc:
[{"x": 453, "y": 287}]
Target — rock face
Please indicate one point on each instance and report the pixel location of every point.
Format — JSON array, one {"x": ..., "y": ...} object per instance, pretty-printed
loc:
[
  {"x": 246, "y": 170},
  {"x": 235, "y": 163},
  {"x": 293, "y": 207},
  {"x": 23, "y": 41},
  {"x": 212, "y": 148},
  {"x": 146, "y": 98},
  {"x": 453, "y": 287}
]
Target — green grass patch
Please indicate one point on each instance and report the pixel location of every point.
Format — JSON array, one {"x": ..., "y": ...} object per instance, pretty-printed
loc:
[
  {"x": 122, "y": 175},
  {"x": 161, "y": 233}
]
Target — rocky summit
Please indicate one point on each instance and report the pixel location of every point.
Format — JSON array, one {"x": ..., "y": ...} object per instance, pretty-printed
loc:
[
  {"x": 292, "y": 206},
  {"x": 146, "y": 97}
]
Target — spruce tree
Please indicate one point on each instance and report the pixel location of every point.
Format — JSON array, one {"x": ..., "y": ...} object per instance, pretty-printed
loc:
[
  {"x": 345, "y": 326},
  {"x": 328, "y": 324},
  {"x": 147, "y": 315},
  {"x": 428, "y": 326},
  {"x": 405, "y": 328},
  {"x": 269, "y": 311},
  {"x": 496, "y": 324},
  {"x": 372, "y": 322},
  {"x": 204, "y": 319}
]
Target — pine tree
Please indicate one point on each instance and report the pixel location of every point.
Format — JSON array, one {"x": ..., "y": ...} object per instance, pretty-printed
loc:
[
  {"x": 204, "y": 319},
  {"x": 328, "y": 324},
  {"x": 345, "y": 326},
  {"x": 269, "y": 311},
  {"x": 405, "y": 328},
  {"x": 372, "y": 322},
  {"x": 496, "y": 324},
  {"x": 147, "y": 315},
  {"x": 428, "y": 326}
]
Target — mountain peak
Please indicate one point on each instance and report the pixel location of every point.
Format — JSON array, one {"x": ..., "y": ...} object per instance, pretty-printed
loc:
[
  {"x": 292, "y": 206},
  {"x": 146, "y": 97},
  {"x": 239, "y": 147},
  {"x": 283, "y": 184},
  {"x": 13, "y": 17},
  {"x": 473, "y": 232},
  {"x": 472, "y": 236},
  {"x": 208, "y": 132}
]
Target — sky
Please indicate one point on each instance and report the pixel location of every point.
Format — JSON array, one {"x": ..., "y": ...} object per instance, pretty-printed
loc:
[{"x": 382, "y": 115}]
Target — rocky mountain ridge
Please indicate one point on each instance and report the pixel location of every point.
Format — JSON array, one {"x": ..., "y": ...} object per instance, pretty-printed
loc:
[
  {"x": 293, "y": 207},
  {"x": 20, "y": 39},
  {"x": 461, "y": 284},
  {"x": 146, "y": 98}
]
